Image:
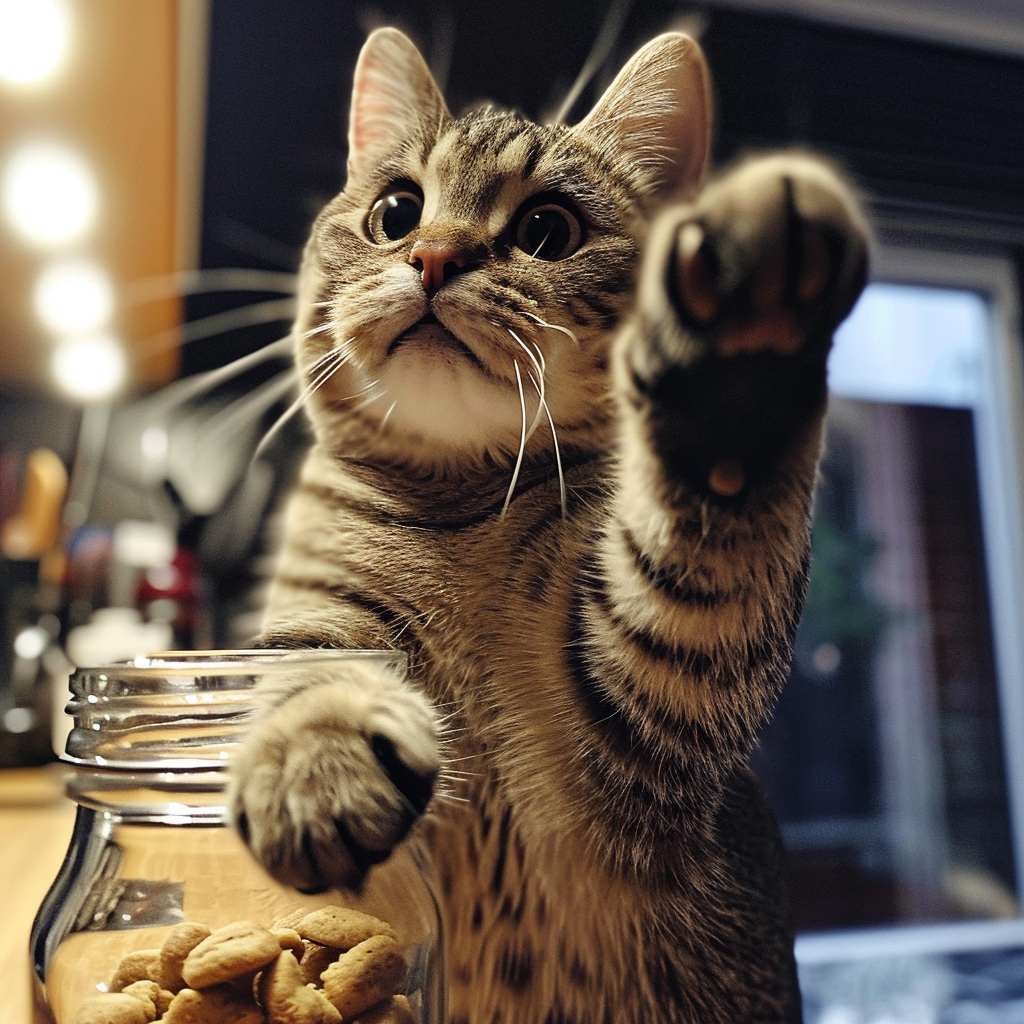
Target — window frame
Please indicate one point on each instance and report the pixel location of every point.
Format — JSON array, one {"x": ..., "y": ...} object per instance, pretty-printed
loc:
[{"x": 999, "y": 439}]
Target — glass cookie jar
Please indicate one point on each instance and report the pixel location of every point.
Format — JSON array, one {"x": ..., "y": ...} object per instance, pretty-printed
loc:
[{"x": 152, "y": 868}]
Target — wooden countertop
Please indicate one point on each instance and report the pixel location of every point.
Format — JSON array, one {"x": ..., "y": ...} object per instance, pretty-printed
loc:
[{"x": 35, "y": 826}]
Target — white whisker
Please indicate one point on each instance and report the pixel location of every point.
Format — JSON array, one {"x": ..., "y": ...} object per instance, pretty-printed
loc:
[
  {"x": 540, "y": 357},
  {"x": 554, "y": 440},
  {"x": 276, "y": 427},
  {"x": 250, "y": 406},
  {"x": 554, "y": 327},
  {"x": 371, "y": 396},
  {"x": 333, "y": 353},
  {"x": 539, "y": 366},
  {"x": 542, "y": 410},
  {"x": 522, "y": 440},
  {"x": 454, "y": 777},
  {"x": 325, "y": 367},
  {"x": 530, "y": 355},
  {"x": 541, "y": 246},
  {"x": 196, "y": 282},
  {"x": 609, "y": 34},
  {"x": 324, "y": 328},
  {"x": 558, "y": 461},
  {"x": 450, "y": 798},
  {"x": 219, "y": 323},
  {"x": 386, "y": 416},
  {"x": 327, "y": 364},
  {"x": 182, "y": 391}
]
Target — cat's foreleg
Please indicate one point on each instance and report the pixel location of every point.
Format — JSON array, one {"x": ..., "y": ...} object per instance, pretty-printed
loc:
[{"x": 722, "y": 380}]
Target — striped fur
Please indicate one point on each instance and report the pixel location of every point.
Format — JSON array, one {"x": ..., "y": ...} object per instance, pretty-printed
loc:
[{"x": 606, "y": 636}]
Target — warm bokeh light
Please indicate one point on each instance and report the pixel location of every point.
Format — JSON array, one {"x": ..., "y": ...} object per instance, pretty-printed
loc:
[
  {"x": 49, "y": 194},
  {"x": 89, "y": 368},
  {"x": 34, "y": 40},
  {"x": 74, "y": 296}
]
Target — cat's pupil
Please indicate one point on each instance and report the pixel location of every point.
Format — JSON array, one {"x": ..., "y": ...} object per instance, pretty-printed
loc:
[
  {"x": 393, "y": 216},
  {"x": 549, "y": 232}
]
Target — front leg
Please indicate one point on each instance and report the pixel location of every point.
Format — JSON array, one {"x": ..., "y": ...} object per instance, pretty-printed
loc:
[{"x": 688, "y": 616}]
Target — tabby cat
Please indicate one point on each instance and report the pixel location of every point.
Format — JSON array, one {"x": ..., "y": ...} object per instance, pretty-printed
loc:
[{"x": 567, "y": 399}]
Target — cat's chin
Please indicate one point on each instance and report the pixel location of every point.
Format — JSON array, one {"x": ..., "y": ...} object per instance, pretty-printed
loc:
[{"x": 432, "y": 386}]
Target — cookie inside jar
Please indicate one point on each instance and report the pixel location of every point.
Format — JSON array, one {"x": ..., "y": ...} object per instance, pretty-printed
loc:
[
  {"x": 293, "y": 959},
  {"x": 325, "y": 966}
]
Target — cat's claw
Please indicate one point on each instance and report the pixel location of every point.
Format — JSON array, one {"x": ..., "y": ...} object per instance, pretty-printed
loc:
[{"x": 332, "y": 779}]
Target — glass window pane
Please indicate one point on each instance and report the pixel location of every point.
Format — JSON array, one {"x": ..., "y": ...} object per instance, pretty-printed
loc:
[
  {"x": 885, "y": 759},
  {"x": 912, "y": 344}
]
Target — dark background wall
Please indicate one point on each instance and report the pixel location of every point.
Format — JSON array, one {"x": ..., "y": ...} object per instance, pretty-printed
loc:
[{"x": 923, "y": 127}]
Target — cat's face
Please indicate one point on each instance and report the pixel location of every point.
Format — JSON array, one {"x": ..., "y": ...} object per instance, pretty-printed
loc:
[{"x": 461, "y": 292}]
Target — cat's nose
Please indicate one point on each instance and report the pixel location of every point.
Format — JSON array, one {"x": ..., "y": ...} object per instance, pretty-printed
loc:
[{"x": 437, "y": 262}]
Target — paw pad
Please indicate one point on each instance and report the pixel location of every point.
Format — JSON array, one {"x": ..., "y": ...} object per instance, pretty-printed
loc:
[{"x": 727, "y": 478}]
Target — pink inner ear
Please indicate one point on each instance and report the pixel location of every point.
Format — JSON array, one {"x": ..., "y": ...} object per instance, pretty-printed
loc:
[
  {"x": 372, "y": 106},
  {"x": 393, "y": 96},
  {"x": 370, "y": 122}
]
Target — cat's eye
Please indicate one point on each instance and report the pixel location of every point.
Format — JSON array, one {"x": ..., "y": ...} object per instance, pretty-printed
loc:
[
  {"x": 394, "y": 215},
  {"x": 549, "y": 231}
]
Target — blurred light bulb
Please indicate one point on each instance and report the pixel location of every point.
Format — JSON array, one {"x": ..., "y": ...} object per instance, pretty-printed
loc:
[
  {"x": 19, "y": 719},
  {"x": 89, "y": 368},
  {"x": 49, "y": 194},
  {"x": 31, "y": 642},
  {"x": 73, "y": 296},
  {"x": 34, "y": 38}
]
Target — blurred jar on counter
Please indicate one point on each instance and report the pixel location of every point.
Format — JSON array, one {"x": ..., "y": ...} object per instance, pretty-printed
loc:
[{"x": 153, "y": 870}]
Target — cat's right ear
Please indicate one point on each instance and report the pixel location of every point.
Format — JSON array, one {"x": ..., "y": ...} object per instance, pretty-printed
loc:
[
  {"x": 394, "y": 99},
  {"x": 657, "y": 115}
]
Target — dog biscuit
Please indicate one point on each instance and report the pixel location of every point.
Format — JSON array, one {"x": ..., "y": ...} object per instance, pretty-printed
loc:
[
  {"x": 327, "y": 966},
  {"x": 315, "y": 960},
  {"x": 367, "y": 974},
  {"x": 177, "y": 946},
  {"x": 219, "y": 1004},
  {"x": 289, "y": 938},
  {"x": 142, "y": 965},
  {"x": 112, "y": 1008},
  {"x": 287, "y": 1000},
  {"x": 341, "y": 927},
  {"x": 154, "y": 998},
  {"x": 228, "y": 953}
]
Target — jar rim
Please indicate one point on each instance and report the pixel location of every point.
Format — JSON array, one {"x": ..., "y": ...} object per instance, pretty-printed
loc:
[
  {"x": 175, "y": 666},
  {"x": 181, "y": 709}
]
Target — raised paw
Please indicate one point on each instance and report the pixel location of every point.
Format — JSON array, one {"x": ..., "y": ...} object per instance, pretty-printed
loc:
[
  {"x": 739, "y": 295},
  {"x": 772, "y": 255},
  {"x": 331, "y": 778}
]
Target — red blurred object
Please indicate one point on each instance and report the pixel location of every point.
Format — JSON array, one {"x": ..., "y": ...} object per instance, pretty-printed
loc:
[{"x": 174, "y": 594}]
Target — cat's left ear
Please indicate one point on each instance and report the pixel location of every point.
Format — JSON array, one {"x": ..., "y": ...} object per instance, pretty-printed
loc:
[
  {"x": 657, "y": 114},
  {"x": 394, "y": 99}
]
